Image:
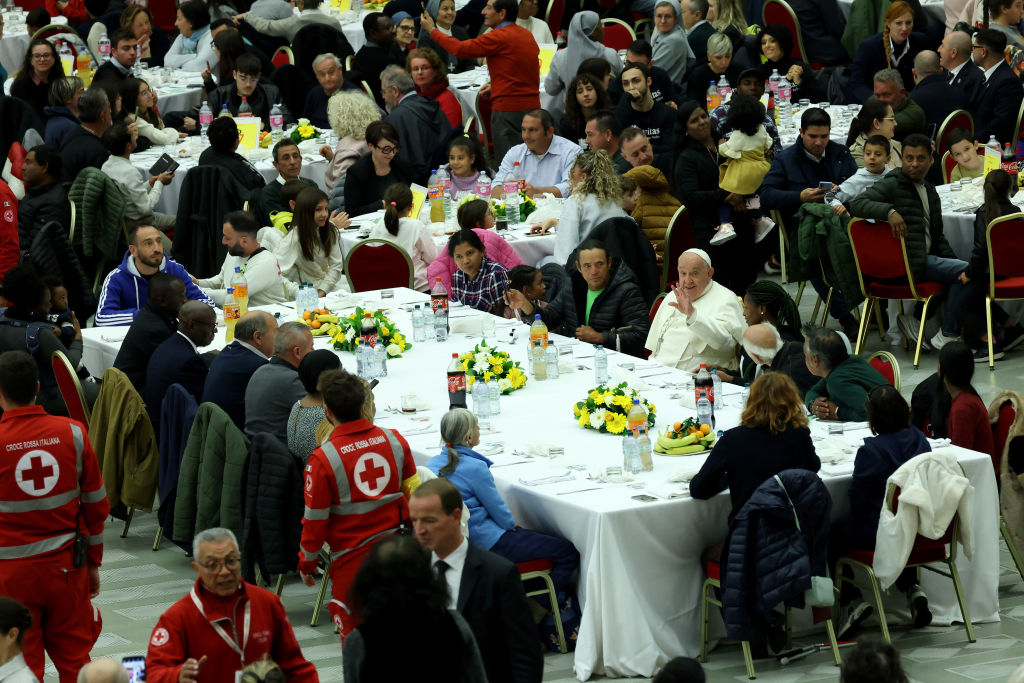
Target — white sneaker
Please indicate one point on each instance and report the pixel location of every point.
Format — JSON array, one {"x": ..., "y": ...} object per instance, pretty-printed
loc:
[
  {"x": 909, "y": 326},
  {"x": 723, "y": 234},
  {"x": 762, "y": 226},
  {"x": 940, "y": 340}
]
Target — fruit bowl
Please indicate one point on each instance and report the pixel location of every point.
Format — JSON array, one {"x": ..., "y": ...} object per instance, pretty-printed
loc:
[{"x": 688, "y": 437}]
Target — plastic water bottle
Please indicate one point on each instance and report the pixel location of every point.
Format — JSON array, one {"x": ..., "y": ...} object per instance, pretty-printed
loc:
[
  {"x": 786, "y": 90},
  {"x": 205, "y": 119},
  {"x": 784, "y": 102},
  {"x": 511, "y": 189},
  {"x": 746, "y": 394},
  {"x": 643, "y": 442},
  {"x": 368, "y": 330},
  {"x": 361, "y": 369},
  {"x": 717, "y": 384},
  {"x": 630, "y": 454},
  {"x": 440, "y": 325},
  {"x": 494, "y": 393},
  {"x": 456, "y": 383},
  {"x": 300, "y": 300},
  {"x": 711, "y": 96},
  {"x": 103, "y": 47},
  {"x": 241, "y": 286},
  {"x": 419, "y": 330},
  {"x": 380, "y": 356},
  {"x": 551, "y": 359},
  {"x": 538, "y": 330},
  {"x": 445, "y": 181},
  {"x": 67, "y": 59},
  {"x": 774, "y": 80},
  {"x": 993, "y": 144},
  {"x": 724, "y": 88},
  {"x": 705, "y": 411},
  {"x": 600, "y": 364},
  {"x": 481, "y": 399},
  {"x": 538, "y": 361},
  {"x": 276, "y": 123},
  {"x": 224, "y": 111}
]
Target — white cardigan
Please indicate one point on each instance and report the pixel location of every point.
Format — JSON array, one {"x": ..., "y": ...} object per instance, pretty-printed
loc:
[
  {"x": 933, "y": 488},
  {"x": 324, "y": 272},
  {"x": 417, "y": 241}
]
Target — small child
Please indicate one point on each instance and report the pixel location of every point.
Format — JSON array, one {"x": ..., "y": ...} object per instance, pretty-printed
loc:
[
  {"x": 467, "y": 163},
  {"x": 478, "y": 281},
  {"x": 630, "y": 194},
  {"x": 876, "y": 164},
  {"x": 964, "y": 148},
  {"x": 60, "y": 313},
  {"x": 408, "y": 233},
  {"x": 282, "y": 220},
  {"x": 526, "y": 293},
  {"x": 745, "y": 166}
]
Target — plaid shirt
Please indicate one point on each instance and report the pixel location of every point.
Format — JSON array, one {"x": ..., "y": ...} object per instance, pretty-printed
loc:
[
  {"x": 483, "y": 291},
  {"x": 719, "y": 114}
]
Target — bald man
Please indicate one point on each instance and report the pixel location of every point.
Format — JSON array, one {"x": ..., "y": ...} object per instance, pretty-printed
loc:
[
  {"x": 700, "y": 321},
  {"x": 177, "y": 360},
  {"x": 103, "y": 670},
  {"x": 961, "y": 71},
  {"x": 933, "y": 92},
  {"x": 764, "y": 346},
  {"x": 231, "y": 370}
]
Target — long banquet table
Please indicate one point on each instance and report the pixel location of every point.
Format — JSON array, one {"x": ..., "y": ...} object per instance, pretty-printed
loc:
[{"x": 640, "y": 562}]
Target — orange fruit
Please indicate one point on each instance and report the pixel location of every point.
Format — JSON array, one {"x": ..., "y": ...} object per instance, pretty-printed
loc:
[
  {"x": 677, "y": 426},
  {"x": 306, "y": 315},
  {"x": 316, "y": 324},
  {"x": 705, "y": 429}
]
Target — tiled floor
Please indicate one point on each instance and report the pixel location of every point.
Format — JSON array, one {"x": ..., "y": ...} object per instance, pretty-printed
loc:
[{"x": 139, "y": 584}]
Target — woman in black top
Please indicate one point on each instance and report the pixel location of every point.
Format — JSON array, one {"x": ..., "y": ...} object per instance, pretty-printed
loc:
[
  {"x": 223, "y": 134},
  {"x": 373, "y": 173},
  {"x": 776, "y": 43},
  {"x": 40, "y": 68},
  {"x": 772, "y": 436}
]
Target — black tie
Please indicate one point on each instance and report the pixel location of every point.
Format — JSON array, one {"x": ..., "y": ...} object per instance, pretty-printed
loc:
[{"x": 441, "y": 567}]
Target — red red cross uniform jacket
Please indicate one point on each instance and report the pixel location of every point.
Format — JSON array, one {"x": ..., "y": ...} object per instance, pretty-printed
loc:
[
  {"x": 251, "y": 623},
  {"x": 49, "y": 483},
  {"x": 354, "y": 495}
]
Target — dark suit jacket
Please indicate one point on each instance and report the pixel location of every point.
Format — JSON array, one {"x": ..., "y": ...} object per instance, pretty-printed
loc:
[
  {"x": 939, "y": 99},
  {"x": 149, "y": 330},
  {"x": 970, "y": 80},
  {"x": 108, "y": 70},
  {"x": 493, "y": 603},
  {"x": 173, "y": 362},
  {"x": 790, "y": 361},
  {"x": 371, "y": 60},
  {"x": 999, "y": 105},
  {"x": 698, "y": 41},
  {"x": 228, "y": 377}
]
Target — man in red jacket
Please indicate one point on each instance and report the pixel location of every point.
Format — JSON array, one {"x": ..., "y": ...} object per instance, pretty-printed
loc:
[
  {"x": 357, "y": 484},
  {"x": 513, "y": 62},
  {"x": 52, "y": 508},
  {"x": 223, "y": 624}
]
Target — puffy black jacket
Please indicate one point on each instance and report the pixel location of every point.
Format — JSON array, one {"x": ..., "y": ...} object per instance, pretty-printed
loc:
[
  {"x": 206, "y": 195},
  {"x": 51, "y": 253},
  {"x": 422, "y": 128},
  {"x": 629, "y": 244},
  {"x": 272, "y": 525},
  {"x": 619, "y": 305},
  {"x": 769, "y": 561}
]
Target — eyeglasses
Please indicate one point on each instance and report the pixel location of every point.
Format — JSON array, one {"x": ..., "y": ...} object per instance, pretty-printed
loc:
[
  {"x": 42, "y": 56},
  {"x": 976, "y": 47},
  {"x": 387, "y": 150},
  {"x": 889, "y": 118},
  {"x": 406, "y": 28},
  {"x": 214, "y": 565}
]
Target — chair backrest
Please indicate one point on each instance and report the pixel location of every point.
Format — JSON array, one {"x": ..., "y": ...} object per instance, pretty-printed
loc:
[
  {"x": 892, "y": 499},
  {"x": 617, "y": 34},
  {"x": 678, "y": 238},
  {"x": 282, "y": 56},
  {"x": 886, "y": 363},
  {"x": 164, "y": 15},
  {"x": 1006, "y": 420},
  {"x": 1005, "y": 249},
  {"x": 378, "y": 264},
  {"x": 878, "y": 253},
  {"x": 658, "y": 301},
  {"x": 957, "y": 119},
  {"x": 51, "y": 30},
  {"x": 949, "y": 163},
  {"x": 70, "y": 388},
  {"x": 348, "y": 62},
  {"x": 483, "y": 115},
  {"x": 470, "y": 126},
  {"x": 553, "y": 15},
  {"x": 779, "y": 12}
]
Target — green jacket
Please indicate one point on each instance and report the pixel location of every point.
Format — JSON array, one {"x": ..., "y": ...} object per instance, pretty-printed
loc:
[
  {"x": 820, "y": 233},
  {"x": 99, "y": 213},
  {"x": 897, "y": 191},
  {"x": 211, "y": 482},
  {"x": 125, "y": 444},
  {"x": 910, "y": 118},
  {"x": 865, "y": 20},
  {"x": 847, "y": 386}
]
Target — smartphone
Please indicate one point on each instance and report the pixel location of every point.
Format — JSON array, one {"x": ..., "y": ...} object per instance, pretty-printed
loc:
[
  {"x": 932, "y": 130},
  {"x": 824, "y": 185},
  {"x": 136, "y": 668},
  {"x": 644, "y": 498},
  {"x": 374, "y": 382}
]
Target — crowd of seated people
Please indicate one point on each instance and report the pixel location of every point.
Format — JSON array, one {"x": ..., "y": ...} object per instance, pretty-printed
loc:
[{"x": 620, "y": 144}]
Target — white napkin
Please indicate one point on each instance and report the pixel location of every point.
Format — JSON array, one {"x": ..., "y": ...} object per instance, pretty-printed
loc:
[
  {"x": 490, "y": 448},
  {"x": 546, "y": 480},
  {"x": 606, "y": 478},
  {"x": 417, "y": 427},
  {"x": 620, "y": 375},
  {"x": 668, "y": 491},
  {"x": 681, "y": 475},
  {"x": 537, "y": 450}
]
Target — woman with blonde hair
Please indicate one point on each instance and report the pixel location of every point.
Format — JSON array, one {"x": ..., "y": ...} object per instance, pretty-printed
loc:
[
  {"x": 724, "y": 14},
  {"x": 894, "y": 48},
  {"x": 772, "y": 436},
  {"x": 349, "y": 112},
  {"x": 595, "y": 195}
]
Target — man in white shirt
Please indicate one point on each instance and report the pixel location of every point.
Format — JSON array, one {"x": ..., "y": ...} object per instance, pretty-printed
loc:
[
  {"x": 142, "y": 196},
  {"x": 484, "y": 587},
  {"x": 544, "y": 158},
  {"x": 309, "y": 13},
  {"x": 262, "y": 273},
  {"x": 700, "y": 322}
]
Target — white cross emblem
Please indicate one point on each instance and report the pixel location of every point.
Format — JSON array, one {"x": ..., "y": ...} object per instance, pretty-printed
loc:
[
  {"x": 37, "y": 473},
  {"x": 371, "y": 474}
]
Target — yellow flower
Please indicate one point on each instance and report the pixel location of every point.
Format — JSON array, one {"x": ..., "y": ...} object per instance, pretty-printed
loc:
[
  {"x": 594, "y": 394},
  {"x": 623, "y": 402},
  {"x": 495, "y": 360},
  {"x": 469, "y": 380},
  {"x": 465, "y": 356},
  {"x": 488, "y": 376},
  {"x": 584, "y": 420},
  {"x": 651, "y": 408},
  {"x": 615, "y": 422},
  {"x": 384, "y": 330},
  {"x": 497, "y": 368},
  {"x": 575, "y": 410},
  {"x": 465, "y": 365}
]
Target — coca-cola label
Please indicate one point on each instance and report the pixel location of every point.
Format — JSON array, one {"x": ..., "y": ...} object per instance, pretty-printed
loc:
[
  {"x": 370, "y": 339},
  {"x": 456, "y": 383},
  {"x": 521, "y": 183},
  {"x": 438, "y": 302},
  {"x": 1009, "y": 166},
  {"x": 709, "y": 392}
]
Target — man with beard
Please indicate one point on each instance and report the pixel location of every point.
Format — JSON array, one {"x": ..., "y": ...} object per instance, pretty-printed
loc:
[
  {"x": 639, "y": 109},
  {"x": 262, "y": 273},
  {"x": 126, "y": 288}
]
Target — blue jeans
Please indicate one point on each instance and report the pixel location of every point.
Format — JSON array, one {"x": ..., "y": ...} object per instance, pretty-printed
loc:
[
  {"x": 946, "y": 271},
  {"x": 521, "y": 545}
]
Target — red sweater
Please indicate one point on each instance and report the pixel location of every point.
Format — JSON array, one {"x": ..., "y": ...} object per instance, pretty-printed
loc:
[
  {"x": 444, "y": 97},
  {"x": 968, "y": 425},
  {"x": 510, "y": 52},
  {"x": 75, "y": 11}
]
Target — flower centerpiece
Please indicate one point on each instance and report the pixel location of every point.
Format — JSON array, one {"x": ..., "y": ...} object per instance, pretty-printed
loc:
[
  {"x": 526, "y": 207},
  {"x": 486, "y": 363},
  {"x": 304, "y": 131},
  {"x": 605, "y": 408},
  {"x": 345, "y": 334}
]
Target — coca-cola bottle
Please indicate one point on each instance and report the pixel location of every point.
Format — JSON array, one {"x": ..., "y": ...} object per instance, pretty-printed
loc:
[
  {"x": 456, "y": 384},
  {"x": 704, "y": 384},
  {"x": 368, "y": 331},
  {"x": 1008, "y": 163}
]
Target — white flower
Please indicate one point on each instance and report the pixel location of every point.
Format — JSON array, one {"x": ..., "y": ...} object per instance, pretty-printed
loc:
[
  {"x": 303, "y": 122},
  {"x": 481, "y": 361},
  {"x": 504, "y": 384},
  {"x": 597, "y": 418},
  {"x": 609, "y": 400},
  {"x": 350, "y": 334},
  {"x": 394, "y": 350}
]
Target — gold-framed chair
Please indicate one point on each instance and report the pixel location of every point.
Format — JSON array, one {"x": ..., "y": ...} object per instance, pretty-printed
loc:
[
  {"x": 1005, "y": 267},
  {"x": 541, "y": 569},
  {"x": 888, "y": 366}
]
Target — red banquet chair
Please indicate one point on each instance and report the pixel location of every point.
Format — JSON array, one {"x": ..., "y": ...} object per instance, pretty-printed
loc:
[
  {"x": 678, "y": 238},
  {"x": 378, "y": 264},
  {"x": 617, "y": 34},
  {"x": 779, "y": 12},
  {"x": 1005, "y": 267},
  {"x": 541, "y": 569},
  {"x": 282, "y": 56},
  {"x": 483, "y": 116},
  {"x": 882, "y": 257},
  {"x": 70, "y": 388},
  {"x": 887, "y": 366},
  {"x": 1004, "y": 419},
  {"x": 957, "y": 119}
]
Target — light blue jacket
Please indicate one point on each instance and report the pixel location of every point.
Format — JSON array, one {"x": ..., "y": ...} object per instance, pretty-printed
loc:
[{"x": 489, "y": 517}]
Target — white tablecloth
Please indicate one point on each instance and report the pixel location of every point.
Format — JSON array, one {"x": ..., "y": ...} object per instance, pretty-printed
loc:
[
  {"x": 467, "y": 84},
  {"x": 12, "y": 48},
  {"x": 176, "y": 90},
  {"x": 640, "y": 562},
  {"x": 314, "y": 167}
]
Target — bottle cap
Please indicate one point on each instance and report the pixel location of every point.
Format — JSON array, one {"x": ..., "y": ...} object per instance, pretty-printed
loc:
[
  {"x": 231, "y": 290},
  {"x": 636, "y": 401},
  {"x": 536, "y": 316},
  {"x": 238, "y": 269},
  {"x": 455, "y": 355}
]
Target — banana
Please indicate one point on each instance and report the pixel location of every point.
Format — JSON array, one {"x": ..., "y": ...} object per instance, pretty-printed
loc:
[
  {"x": 666, "y": 442},
  {"x": 327, "y": 318},
  {"x": 685, "y": 450}
]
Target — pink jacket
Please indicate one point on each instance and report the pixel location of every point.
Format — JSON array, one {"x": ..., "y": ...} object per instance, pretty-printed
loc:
[{"x": 495, "y": 247}]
